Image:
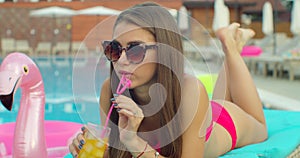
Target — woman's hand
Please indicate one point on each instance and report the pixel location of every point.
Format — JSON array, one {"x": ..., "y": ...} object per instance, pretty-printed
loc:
[
  {"x": 77, "y": 143},
  {"x": 130, "y": 118},
  {"x": 234, "y": 38}
]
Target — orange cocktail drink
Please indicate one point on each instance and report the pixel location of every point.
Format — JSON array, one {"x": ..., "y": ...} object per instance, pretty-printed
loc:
[{"x": 96, "y": 142}]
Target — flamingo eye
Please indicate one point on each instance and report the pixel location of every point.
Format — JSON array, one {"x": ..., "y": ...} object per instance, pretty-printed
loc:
[{"x": 25, "y": 69}]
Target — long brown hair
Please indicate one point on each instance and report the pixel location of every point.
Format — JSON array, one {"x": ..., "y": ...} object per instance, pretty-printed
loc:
[{"x": 162, "y": 25}]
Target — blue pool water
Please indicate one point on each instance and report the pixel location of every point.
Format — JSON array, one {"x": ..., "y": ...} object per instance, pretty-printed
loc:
[{"x": 57, "y": 73}]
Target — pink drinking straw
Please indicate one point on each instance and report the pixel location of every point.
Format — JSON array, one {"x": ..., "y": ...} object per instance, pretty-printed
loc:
[{"x": 124, "y": 83}]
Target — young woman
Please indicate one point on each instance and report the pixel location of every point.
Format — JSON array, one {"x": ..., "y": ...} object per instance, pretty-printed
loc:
[{"x": 166, "y": 112}]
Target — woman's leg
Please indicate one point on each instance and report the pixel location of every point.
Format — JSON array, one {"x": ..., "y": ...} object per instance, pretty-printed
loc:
[
  {"x": 239, "y": 87},
  {"x": 221, "y": 89}
]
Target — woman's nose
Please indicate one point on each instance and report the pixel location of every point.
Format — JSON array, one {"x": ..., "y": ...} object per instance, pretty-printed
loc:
[{"x": 123, "y": 58}]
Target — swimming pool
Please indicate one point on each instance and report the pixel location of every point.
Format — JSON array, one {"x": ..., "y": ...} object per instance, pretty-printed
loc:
[{"x": 57, "y": 73}]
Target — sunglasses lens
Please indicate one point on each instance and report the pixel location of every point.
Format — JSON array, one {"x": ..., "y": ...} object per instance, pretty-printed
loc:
[
  {"x": 136, "y": 54},
  {"x": 111, "y": 50}
]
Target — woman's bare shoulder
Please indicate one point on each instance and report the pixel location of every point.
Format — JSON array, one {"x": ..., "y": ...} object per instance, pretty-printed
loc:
[{"x": 106, "y": 85}]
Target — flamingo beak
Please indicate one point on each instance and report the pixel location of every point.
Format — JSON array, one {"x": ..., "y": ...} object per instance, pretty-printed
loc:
[{"x": 9, "y": 82}]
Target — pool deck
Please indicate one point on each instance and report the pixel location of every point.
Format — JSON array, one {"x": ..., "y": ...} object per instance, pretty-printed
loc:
[{"x": 279, "y": 93}]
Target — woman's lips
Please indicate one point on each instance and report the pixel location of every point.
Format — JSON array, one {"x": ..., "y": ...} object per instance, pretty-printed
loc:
[{"x": 126, "y": 73}]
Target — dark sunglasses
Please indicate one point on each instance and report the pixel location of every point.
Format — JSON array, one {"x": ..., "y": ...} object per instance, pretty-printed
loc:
[{"x": 135, "y": 52}]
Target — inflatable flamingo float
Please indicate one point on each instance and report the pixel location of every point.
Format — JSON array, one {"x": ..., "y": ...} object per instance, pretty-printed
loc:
[{"x": 32, "y": 137}]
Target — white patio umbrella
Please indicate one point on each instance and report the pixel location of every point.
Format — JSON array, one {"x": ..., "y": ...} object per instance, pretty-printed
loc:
[
  {"x": 52, "y": 12},
  {"x": 98, "y": 10},
  {"x": 221, "y": 15},
  {"x": 267, "y": 19},
  {"x": 295, "y": 19},
  {"x": 173, "y": 12},
  {"x": 183, "y": 18}
]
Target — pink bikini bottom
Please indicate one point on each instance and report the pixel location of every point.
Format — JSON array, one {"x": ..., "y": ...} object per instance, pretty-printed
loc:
[{"x": 222, "y": 117}]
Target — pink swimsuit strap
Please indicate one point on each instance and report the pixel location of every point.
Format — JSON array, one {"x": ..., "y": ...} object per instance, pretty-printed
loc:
[{"x": 223, "y": 118}]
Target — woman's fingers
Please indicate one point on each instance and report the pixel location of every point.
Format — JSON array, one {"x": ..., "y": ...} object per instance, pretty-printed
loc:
[
  {"x": 73, "y": 150},
  {"x": 77, "y": 144},
  {"x": 129, "y": 120},
  {"x": 122, "y": 99},
  {"x": 126, "y": 112},
  {"x": 123, "y": 102},
  {"x": 84, "y": 131},
  {"x": 126, "y": 106}
]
